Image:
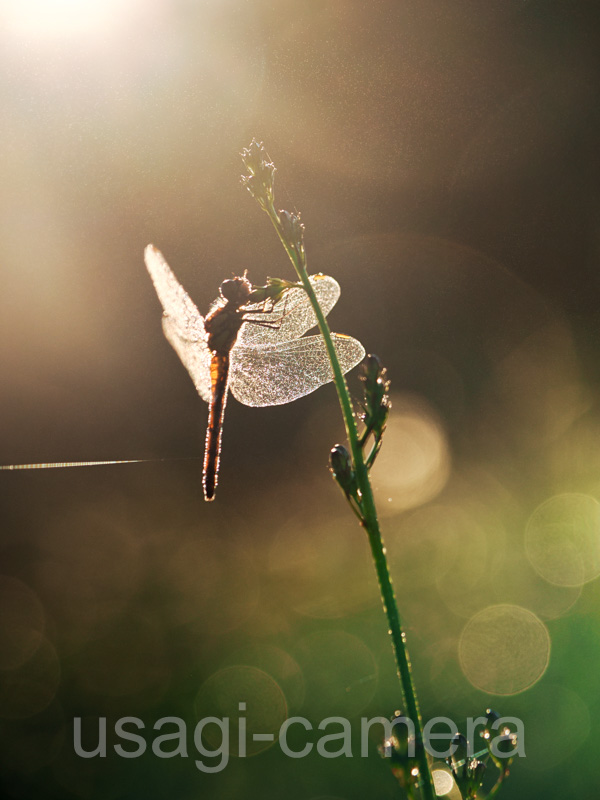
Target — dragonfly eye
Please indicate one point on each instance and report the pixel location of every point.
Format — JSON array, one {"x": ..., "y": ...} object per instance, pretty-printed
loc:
[{"x": 236, "y": 290}]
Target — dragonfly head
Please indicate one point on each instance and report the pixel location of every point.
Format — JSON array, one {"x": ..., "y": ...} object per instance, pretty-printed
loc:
[{"x": 236, "y": 290}]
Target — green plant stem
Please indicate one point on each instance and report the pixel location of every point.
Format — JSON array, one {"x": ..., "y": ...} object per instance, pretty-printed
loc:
[
  {"x": 369, "y": 521},
  {"x": 498, "y": 785}
]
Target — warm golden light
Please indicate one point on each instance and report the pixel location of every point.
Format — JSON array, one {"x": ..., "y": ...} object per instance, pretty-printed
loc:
[
  {"x": 414, "y": 464},
  {"x": 64, "y": 19}
]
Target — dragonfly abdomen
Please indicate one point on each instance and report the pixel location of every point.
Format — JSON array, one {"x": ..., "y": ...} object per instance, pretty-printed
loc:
[{"x": 219, "y": 373}]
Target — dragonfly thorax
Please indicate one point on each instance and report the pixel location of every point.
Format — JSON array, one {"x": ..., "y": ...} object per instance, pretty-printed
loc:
[
  {"x": 226, "y": 317},
  {"x": 236, "y": 290}
]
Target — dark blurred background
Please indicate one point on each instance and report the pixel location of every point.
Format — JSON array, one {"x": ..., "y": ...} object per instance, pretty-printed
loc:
[{"x": 444, "y": 157}]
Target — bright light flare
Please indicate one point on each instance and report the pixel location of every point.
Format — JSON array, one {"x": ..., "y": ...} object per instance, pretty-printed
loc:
[
  {"x": 443, "y": 782},
  {"x": 51, "y": 20},
  {"x": 562, "y": 539},
  {"x": 414, "y": 463},
  {"x": 504, "y": 649}
]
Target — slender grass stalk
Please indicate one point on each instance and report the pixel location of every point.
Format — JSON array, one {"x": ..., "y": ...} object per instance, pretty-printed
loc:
[
  {"x": 494, "y": 791},
  {"x": 260, "y": 184}
]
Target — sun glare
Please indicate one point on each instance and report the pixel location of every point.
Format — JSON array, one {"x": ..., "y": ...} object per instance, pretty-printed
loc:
[{"x": 48, "y": 20}]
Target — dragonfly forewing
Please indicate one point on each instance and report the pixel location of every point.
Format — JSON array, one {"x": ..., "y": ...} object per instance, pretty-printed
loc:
[
  {"x": 194, "y": 355},
  {"x": 176, "y": 303},
  {"x": 183, "y": 324}
]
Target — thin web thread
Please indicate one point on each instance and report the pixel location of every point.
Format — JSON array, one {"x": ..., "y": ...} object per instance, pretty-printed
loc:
[{"x": 63, "y": 464}]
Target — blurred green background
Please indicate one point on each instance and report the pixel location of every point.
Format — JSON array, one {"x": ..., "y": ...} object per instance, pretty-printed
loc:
[{"x": 444, "y": 158}]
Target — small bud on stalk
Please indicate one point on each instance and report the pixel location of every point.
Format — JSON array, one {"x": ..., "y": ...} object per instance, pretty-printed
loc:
[
  {"x": 262, "y": 173},
  {"x": 341, "y": 468},
  {"x": 376, "y": 404},
  {"x": 292, "y": 230},
  {"x": 468, "y": 772}
]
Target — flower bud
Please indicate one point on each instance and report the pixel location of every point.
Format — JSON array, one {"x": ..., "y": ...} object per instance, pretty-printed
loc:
[
  {"x": 371, "y": 370},
  {"x": 488, "y": 731},
  {"x": 292, "y": 229},
  {"x": 341, "y": 467},
  {"x": 376, "y": 402},
  {"x": 478, "y": 771},
  {"x": 460, "y": 755},
  {"x": 262, "y": 173},
  {"x": 491, "y": 718},
  {"x": 505, "y": 745}
]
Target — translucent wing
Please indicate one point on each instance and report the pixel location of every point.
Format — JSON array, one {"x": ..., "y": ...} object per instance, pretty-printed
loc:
[
  {"x": 182, "y": 322},
  {"x": 194, "y": 355},
  {"x": 176, "y": 302},
  {"x": 273, "y": 374},
  {"x": 292, "y": 316}
]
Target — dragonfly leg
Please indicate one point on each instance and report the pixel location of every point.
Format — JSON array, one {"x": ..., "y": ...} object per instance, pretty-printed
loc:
[{"x": 265, "y": 323}]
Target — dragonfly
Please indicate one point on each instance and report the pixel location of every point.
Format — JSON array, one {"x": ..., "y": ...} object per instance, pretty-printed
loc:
[{"x": 255, "y": 350}]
